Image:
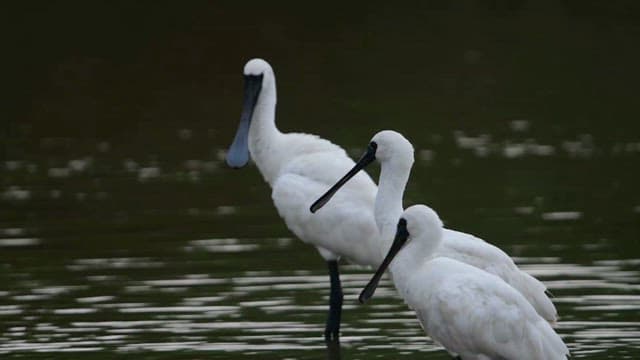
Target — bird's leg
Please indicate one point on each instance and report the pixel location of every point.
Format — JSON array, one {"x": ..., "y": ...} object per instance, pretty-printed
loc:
[
  {"x": 332, "y": 330},
  {"x": 333, "y": 350}
]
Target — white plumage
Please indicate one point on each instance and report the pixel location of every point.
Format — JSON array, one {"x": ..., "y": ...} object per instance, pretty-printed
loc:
[
  {"x": 299, "y": 167},
  {"x": 472, "y": 313},
  {"x": 395, "y": 154},
  {"x": 339, "y": 232}
]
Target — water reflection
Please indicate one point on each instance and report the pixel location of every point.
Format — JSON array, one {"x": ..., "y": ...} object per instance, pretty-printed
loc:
[
  {"x": 150, "y": 274},
  {"x": 19, "y": 242},
  {"x": 169, "y": 303},
  {"x": 193, "y": 295},
  {"x": 333, "y": 350}
]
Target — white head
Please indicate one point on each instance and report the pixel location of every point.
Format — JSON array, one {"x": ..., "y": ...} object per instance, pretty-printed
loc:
[
  {"x": 423, "y": 224},
  {"x": 392, "y": 146},
  {"x": 389, "y": 147},
  {"x": 259, "y": 90},
  {"x": 259, "y": 67},
  {"x": 418, "y": 234}
]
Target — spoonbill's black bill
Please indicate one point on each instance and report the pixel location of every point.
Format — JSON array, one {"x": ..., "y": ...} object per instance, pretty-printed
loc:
[
  {"x": 398, "y": 242},
  {"x": 368, "y": 157}
]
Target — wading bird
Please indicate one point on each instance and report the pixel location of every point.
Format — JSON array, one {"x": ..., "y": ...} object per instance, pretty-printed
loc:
[
  {"x": 299, "y": 167},
  {"x": 472, "y": 313},
  {"x": 395, "y": 154}
]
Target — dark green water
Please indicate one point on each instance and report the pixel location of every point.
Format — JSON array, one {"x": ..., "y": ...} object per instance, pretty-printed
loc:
[{"x": 123, "y": 234}]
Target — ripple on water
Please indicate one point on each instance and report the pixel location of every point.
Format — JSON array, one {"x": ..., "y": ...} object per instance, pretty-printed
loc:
[
  {"x": 13, "y": 232},
  {"x": 16, "y": 242},
  {"x": 182, "y": 309},
  {"x": 16, "y": 193},
  {"x": 226, "y": 245},
  {"x": 74, "y": 311},
  {"x": 561, "y": 215},
  {"x": 186, "y": 282},
  {"x": 257, "y": 311},
  {"x": 95, "y": 299},
  {"x": 114, "y": 263},
  {"x": 10, "y": 310}
]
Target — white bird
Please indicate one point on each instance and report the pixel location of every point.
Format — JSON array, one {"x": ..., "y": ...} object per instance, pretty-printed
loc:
[
  {"x": 299, "y": 167},
  {"x": 395, "y": 154},
  {"x": 475, "y": 315}
]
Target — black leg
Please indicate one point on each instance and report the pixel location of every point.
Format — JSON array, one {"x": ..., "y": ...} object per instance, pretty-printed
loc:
[
  {"x": 333, "y": 350},
  {"x": 332, "y": 330}
]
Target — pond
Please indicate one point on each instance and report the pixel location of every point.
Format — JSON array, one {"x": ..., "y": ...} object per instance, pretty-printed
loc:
[{"x": 123, "y": 233}]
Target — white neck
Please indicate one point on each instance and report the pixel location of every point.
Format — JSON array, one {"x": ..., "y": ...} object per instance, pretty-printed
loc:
[
  {"x": 405, "y": 264},
  {"x": 388, "y": 206},
  {"x": 264, "y": 136},
  {"x": 412, "y": 256}
]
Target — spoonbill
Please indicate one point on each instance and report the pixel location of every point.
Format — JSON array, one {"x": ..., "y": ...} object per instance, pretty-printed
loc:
[
  {"x": 475, "y": 315},
  {"x": 299, "y": 167},
  {"x": 395, "y": 154}
]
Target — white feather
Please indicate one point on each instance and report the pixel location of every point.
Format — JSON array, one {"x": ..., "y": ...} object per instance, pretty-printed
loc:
[{"x": 471, "y": 312}]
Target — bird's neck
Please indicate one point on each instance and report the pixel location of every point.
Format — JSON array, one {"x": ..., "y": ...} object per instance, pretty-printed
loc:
[
  {"x": 388, "y": 205},
  {"x": 264, "y": 137},
  {"x": 404, "y": 265},
  {"x": 412, "y": 257}
]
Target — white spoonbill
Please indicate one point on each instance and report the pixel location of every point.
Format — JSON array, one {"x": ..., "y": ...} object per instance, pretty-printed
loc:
[
  {"x": 395, "y": 154},
  {"x": 472, "y": 313},
  {"x": 299, "y": 167}
]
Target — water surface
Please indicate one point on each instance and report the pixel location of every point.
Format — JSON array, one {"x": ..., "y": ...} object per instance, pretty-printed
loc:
[{"x": 123, "y": 234}]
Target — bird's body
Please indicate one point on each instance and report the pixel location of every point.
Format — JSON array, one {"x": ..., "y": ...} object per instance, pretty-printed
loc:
[
  {"x": 474, "y": 251},
  {"x": 472, "y": 313},
  {"x": 478, "y": 314},
  {"x": 395, "y": 154},
  {"x": 299, "y": 167},
  {"x": 338, "y": 232}
]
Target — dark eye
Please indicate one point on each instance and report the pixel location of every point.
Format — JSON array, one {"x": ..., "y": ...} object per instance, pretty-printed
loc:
[
  {"x": 373, "y": 145},
  {"x": 402, "y": 227}
]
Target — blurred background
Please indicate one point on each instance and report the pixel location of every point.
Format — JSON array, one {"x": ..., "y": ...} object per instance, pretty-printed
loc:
[{"x": 122, "y": 231}]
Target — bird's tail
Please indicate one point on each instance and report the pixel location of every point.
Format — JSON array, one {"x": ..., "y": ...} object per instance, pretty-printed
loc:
[
  {"x": 536, "y": 293},
  {"x": 553, "y": 345}
]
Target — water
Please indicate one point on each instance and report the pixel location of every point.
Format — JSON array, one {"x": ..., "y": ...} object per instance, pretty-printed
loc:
[
  {"x": 187, "y": 278},
  {"x": 123, "y": 234}
]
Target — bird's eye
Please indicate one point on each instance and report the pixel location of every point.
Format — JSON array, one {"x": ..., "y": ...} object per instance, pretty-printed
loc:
[
  {"x": 373, "y": 145},
  {"x": 402, "y": 228}
]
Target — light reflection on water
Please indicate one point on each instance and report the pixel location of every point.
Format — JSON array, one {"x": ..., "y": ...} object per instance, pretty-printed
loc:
[
  {"x": 137, "y": 273},
  {"x": 147, "y": 306}
]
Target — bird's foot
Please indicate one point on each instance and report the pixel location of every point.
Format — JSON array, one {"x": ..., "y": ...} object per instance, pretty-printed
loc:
[{"x": 332, "y": 329}]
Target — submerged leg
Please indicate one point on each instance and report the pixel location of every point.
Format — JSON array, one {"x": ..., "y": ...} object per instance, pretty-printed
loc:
[
  {"x": 332, "y": 330},
  {"x": 333, "y": 350}
]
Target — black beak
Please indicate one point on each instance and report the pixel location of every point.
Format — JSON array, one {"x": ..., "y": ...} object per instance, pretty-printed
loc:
[
  {"x": 238, "y": 154},
  {"x": 401, "y": 238},
  {"x": 365, "y": 160}
]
